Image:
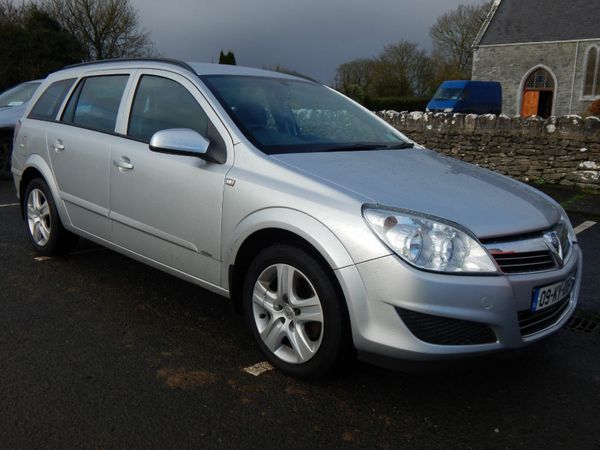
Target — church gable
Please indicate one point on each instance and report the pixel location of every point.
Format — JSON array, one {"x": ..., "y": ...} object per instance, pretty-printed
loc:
[{"x": 528, "y": 21}]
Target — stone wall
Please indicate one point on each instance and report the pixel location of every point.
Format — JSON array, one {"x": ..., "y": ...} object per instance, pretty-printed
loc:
[{"x": 564, "y": 150}]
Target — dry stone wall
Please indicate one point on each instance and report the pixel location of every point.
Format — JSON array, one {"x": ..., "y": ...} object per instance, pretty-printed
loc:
[{"x": 559, "y": 150}]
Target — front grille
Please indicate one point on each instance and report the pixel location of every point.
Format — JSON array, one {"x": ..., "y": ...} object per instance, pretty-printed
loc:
[
  {"x": 532, "y": 322},
  {"x": 523, "y": 262},
  {"x": 534, "y": 252},
  {"x": 444, "y": 331}
]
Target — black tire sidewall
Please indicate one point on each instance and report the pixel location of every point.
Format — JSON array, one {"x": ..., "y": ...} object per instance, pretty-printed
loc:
[{"x": 331, "y": 347}]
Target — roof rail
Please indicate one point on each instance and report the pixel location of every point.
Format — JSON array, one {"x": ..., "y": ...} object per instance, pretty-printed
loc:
[{"x": 113, "y": 60}]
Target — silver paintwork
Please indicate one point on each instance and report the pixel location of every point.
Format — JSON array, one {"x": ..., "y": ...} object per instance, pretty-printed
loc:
[
  {"x": 189, "y": 217},
  {"x": 286, "y": 305},
  {"x": 38, "y": 217},
  {"x": 180, "y": 140}
]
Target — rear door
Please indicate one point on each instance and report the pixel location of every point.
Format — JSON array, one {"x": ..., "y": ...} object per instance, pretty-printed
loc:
[
  {"x": 168, "y": 207},
  {"x": 79, "y": 149}
]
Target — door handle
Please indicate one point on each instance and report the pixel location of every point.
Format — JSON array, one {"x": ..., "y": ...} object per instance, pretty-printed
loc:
[
  {"x": 123, "y": 164},
  {"x": 58, "y": 146}
]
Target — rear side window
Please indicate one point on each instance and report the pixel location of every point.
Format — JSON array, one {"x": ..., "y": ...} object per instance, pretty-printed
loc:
[
  {"x": 95, "y": 102},
  {"x": 161, "y": 104},
  {"x": 49, "y": 102}
]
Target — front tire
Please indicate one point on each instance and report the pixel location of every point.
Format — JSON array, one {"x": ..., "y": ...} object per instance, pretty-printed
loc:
[
  {"x": 294, "y": 311},
  {"x": 44, "y": 228}
]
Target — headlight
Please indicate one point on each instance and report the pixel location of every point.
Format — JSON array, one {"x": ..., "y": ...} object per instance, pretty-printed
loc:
[
  {"x": 449, "y": 110},
  {"x": 429, "y": 243},
  {"x": 566, "y": 222}
]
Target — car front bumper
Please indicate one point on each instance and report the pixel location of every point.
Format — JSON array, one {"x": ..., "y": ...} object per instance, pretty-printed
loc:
[{"x": 379, "y": 289}]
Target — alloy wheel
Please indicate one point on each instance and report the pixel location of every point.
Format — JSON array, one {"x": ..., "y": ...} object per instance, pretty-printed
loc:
[
  {"x": 38, "y": 217},
  {"x": 288, "y": 313}
]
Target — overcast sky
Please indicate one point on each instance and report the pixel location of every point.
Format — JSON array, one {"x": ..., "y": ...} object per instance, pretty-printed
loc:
[{"x": 309, "y": 36}]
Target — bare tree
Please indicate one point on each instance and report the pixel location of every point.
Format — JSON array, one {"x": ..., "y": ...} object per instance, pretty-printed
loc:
[
  {"x": 8, "y": 11},
  {"x": 453, "y": 35},
  {"x": 105, "y": 28}
]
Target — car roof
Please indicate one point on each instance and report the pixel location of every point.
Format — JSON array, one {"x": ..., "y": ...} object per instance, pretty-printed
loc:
[{"x": 197, "y": 68}]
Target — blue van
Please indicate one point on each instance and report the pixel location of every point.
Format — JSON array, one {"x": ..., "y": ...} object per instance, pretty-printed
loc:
[{"x": 468, "y": 97}]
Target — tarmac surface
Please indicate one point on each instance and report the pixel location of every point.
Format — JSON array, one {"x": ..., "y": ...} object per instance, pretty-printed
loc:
[{"x": 99, "y": 351}]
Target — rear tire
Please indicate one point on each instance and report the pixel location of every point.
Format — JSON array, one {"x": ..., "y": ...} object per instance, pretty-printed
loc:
[
  {"x": 293, "y": 309},
  {"x": 44, "y": 228}
]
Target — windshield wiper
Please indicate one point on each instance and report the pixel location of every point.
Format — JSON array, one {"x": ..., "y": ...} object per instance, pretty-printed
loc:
[
  {"x": 361, "y": 146},
  {"x": 368, "y": 146},
  {"x": 400, "y": 146}
]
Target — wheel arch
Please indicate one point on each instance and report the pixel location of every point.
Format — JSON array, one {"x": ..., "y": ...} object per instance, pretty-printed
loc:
[
  {"x": 36, "y": 167},
  {"x": 280, "y": 225}
]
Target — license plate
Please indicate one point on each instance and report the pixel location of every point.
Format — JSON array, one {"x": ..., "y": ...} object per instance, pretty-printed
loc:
[{"x": 546, "y": 296}]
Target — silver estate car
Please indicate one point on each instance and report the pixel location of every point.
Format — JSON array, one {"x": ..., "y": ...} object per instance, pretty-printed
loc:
[{"x": 328, "y": 228}]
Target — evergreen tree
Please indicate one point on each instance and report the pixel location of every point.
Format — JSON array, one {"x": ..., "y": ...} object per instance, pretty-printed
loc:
[
  {"x": 32, "y": 45},
  {"x": 227, "y": 58}
]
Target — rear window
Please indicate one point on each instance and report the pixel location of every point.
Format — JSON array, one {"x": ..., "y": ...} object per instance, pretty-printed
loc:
[
  {"x": 49, "y": 102},
  {"x": 95, "y": 103}
]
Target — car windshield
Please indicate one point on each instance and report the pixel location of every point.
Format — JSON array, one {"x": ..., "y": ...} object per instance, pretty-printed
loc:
[
  {"x": 18, "y": 95},
  {"x": 448, "y": 94},
  {"x": 294, "y": 116}
]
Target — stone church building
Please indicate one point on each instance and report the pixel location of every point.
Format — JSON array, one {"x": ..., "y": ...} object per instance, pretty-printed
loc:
[{"x": 546, "y": 54}]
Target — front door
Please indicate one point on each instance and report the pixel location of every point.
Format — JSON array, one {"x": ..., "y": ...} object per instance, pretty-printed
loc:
[
  {"x": 531, "y": 100},
  {"x": 538, "y": 94},
  {"x": 164, "y": 207}
]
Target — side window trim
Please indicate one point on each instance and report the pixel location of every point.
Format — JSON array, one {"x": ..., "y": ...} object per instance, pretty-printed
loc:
[
  {"x": 130, "y": 105},
  {"x": 75, "y": 96}
]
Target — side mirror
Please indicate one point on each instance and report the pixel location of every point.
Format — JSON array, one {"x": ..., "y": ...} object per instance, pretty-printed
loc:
[{"x": 180, "y": 141}]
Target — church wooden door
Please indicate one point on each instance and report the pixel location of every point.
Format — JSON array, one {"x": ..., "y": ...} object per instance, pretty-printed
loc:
[{"x": 531, "y": 100}]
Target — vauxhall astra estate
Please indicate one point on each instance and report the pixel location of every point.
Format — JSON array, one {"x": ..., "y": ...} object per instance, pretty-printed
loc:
[{"x": 329, "y": 229}]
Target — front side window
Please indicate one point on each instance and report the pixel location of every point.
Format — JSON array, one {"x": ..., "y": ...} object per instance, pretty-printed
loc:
[
  {"x": 47, "y": 106},
  {"x": 161, "y": 104},
  {"x": 592, "y": 74},
  {"x": 95, "y": 102},
  {"x": 290, "y": 116}
]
